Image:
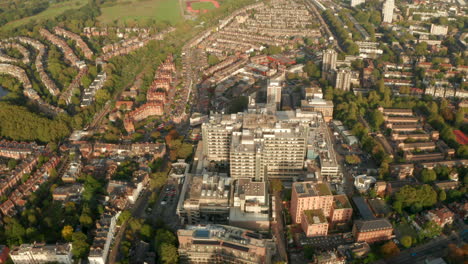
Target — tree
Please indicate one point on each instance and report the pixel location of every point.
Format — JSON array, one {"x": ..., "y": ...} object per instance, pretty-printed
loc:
[
  {"x": 276, "y": 185},
  {"x": 459, "y": 117},
  {"x": 14, "y": 231},
  {"x": 102, "y": 96},
  {"x": 428, "y": 176},
  {"x": 124, "y": 217},
  {"x": 12, "y": 164},
  {"x": 389, "y": 249},
  {"x": 184, "y": 151},
  {"x": 212, "y": 59},
  {"x": 86, "y": 220},
  {"x": 146, "y": 231},
  {"x": 406, "y": 241},
  {"x": 457, "y": 254},
  {"x": 430, "y": 230},
  {"x": 352, "y": 159},
  {"x": 80, "y": 247},
  {"x": 351, "y": 47},
  {"x": 376, "y": 119},
  {"x": 67, "y": 232},
  {"x": 168, "y": 254},
  {"x": 309, "y": 252},
  {"x": 164, "y": 236},
  {"x": 442, "y": 196},
  {"x": 421, "y": 49}
]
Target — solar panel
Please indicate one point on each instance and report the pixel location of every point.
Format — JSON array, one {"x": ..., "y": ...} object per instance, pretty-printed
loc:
[
  {"x": 206, "y": 242},
  {"x": 253, "y": 235},
  {"x": 237, "y": 247}
]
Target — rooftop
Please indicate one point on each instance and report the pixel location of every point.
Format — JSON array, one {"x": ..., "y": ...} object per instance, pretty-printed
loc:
[
  {"x": 315, "y": 217},
  {"x": 307, "y": 189},
  {"x": 341, "y": 201},
  {"x": 373, "y": 225}
]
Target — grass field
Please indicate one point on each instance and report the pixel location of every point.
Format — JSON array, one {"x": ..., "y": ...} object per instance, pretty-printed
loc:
[
  {"x": 406, "y": 229},
  {"x": 125, "y": 10},
  {"x": 53, "y": 11},
  {"x": 203, "y": 6}
]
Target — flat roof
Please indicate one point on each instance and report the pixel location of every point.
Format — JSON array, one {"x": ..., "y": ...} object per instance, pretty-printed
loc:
[{"x": 363, "y": 208}]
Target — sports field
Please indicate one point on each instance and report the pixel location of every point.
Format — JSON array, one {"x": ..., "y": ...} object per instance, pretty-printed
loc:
[
  {"x": 202, "y": 6},
  {"x": 125, "y": 10},
  {"x": 53, "y": 11}
]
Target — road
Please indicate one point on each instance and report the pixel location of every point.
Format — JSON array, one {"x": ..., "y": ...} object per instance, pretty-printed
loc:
[
  {"x": 324, "y": 24},
  {"x": 138, "y": 211},
  {"x": 435, "y": 248},
  {"x": 348, "y": 186},
  {"x": 278, "y": 228}
]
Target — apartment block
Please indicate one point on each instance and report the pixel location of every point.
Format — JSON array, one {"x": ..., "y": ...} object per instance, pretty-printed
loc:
[
  {"x": 342, "y": 211},
  {"x": 387, "y": 11},
  {"x": 104, "y": 235},
  {"x": 310, "y": 196},
  {"x": 257, "y": 145},
  {"x": 39, "y": 253},
  {"x": 329, "y": 59},
  {"x": 314, "y": 223},
  {"x": 343, "y": 79}
]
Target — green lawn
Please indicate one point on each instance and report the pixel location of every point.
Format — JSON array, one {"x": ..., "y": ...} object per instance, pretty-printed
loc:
[
  {"x": 53, "y": 11},
  {"x": 126, "y": 10},
  {"x": 202, "y": 6},
  {"x": 406, "y": 229}
]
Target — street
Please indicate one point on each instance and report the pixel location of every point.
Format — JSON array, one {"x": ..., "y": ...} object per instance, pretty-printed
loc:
[
  {"x": 278, "y": 228},
  {"x": 435, "y": 248}
]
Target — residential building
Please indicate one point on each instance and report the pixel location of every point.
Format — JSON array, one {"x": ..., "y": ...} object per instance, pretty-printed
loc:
[
  {"x": 246, "y": 159},
  {"x": 217, "y": 134},
  {"x": 387, "y": 11},
  {"x": 441, "y": 216},
  {"x": 66, "y": 193},
  {"x": 343, "y": 79},
  {"x": 329, "y": 59},
  {"x": 371, "y": 231},
  {"x": 329, "y": 257},
  {"x": 310, "y": 196},
  {"x": 357, "y": 2},
  {"x": 38, "y": 253},
  {"x": 314, "y": 223},
  {"x": 223, "y": 244},
  {"x": 439, "y": 30},
  {"x": 256, "y": 144},
  {"x": 274, "y": 88},
  {"x": 402, "y": 171},
  {"x": 104, "y": 235},
  {"x": 342, "y": 211}
]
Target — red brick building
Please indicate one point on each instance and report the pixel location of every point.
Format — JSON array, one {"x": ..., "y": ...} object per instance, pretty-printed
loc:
[
  {"x": 342, "y": 211},
  {"x": 310, "y": 196},
  {"x": 314, "y": 223},
  {"x": 126, "y": 105},
  {"x": 371, "y": 231}
]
